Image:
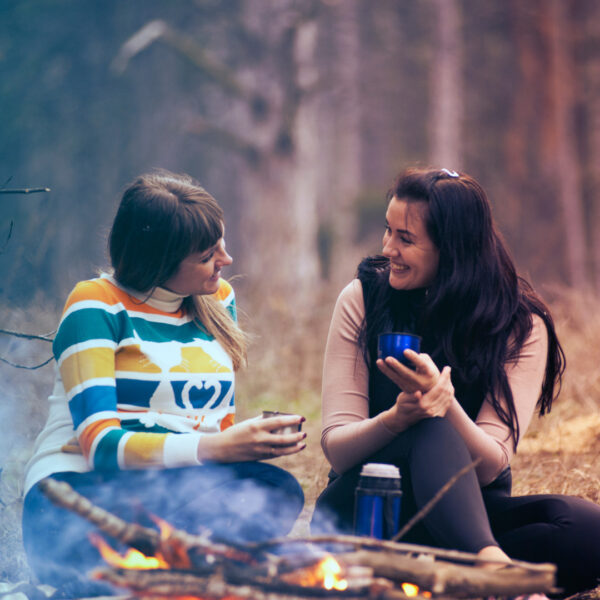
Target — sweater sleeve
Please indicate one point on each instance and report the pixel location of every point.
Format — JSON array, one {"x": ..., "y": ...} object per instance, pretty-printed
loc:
[
  {"x": 85, "y": 347},
  {"x": 488, "y": 437},
  {"x": 348, "y": 434}
]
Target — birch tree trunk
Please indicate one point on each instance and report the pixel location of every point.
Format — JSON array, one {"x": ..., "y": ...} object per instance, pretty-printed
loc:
[
  {"x": 447, "y": 87},
  {"x": 279, "y": 208}
]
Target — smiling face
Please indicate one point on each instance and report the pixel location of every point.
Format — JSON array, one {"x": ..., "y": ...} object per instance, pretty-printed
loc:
[
  {"x": 199, "y": 272},
  {"x": 413, "y": 256}
]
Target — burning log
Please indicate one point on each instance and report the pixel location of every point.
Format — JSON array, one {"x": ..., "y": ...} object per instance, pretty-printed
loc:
[
  {"x": 176, "y": 546},
  {"x": 457, "y": 581}
]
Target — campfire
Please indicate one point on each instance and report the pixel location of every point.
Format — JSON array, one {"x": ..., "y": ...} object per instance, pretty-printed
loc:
[{"x": 172, "y": 563}]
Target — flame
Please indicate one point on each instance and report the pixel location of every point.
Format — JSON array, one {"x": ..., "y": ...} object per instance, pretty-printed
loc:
[
  {"x": 330, "y": 570},
  {"x": 326, "y": 574},
  {"x": 133, "y": 559},
  {"x": 411, "y": 590}
]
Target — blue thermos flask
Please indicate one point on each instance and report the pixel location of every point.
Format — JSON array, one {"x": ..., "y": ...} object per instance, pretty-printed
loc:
[{"x": 377, "y": 501}]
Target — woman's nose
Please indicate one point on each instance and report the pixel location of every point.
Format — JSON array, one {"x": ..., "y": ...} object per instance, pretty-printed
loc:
[
  {"x": 389, "y": 249},
  {"x": 224, "y": 258}
]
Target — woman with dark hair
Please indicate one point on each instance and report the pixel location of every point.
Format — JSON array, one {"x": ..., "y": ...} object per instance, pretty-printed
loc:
[
  {"x": 489, "y": 358},
  {"x": 141, "y": 420}
]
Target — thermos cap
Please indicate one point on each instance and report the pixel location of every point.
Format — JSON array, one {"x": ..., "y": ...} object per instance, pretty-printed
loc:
[{"x": 380, "y": 470}]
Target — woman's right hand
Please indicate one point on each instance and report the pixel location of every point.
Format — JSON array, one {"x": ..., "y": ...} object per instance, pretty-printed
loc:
[
  {"x": 254, "y": 439},
  {"x": 413, "y": 407}
]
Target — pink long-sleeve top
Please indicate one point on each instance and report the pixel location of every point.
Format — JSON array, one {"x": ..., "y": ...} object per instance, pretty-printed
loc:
[{"x": 349, "y": 435}]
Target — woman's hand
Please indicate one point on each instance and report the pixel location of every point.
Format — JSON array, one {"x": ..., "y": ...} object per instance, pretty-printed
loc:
[
  {"x": 254, "y": 439},
  {"x": 413, "y": 407},
  {"x": 422, "y": 378}
]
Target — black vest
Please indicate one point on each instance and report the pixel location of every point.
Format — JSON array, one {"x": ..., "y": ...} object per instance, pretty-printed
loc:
[{"x": 403, "y": 310}]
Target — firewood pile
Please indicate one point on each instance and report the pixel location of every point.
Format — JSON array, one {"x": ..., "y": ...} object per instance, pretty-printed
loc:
[{"x": 174, "y": 563}]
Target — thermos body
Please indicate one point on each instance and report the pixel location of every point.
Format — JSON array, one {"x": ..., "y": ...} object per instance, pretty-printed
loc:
[{"x": 377, "y": 501}]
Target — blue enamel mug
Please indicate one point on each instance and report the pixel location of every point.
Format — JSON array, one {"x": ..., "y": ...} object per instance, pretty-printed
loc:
[{"x": 394, "y": 344}]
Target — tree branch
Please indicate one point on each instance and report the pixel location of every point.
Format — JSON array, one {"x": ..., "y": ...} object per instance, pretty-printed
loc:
[
  {"x": 44, "y": 337},
  {"x": 25, "y": 190}
]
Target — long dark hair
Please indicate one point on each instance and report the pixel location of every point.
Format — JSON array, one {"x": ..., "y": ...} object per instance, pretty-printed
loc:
[
  {"x": 164, "y": 217},
  {"x": 477, "y": 313}
]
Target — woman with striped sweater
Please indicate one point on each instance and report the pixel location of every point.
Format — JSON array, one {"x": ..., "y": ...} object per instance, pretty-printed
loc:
[{"x": 141, "y": 419}]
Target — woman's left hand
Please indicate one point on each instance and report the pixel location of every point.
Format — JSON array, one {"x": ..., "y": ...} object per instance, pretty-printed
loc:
[{"x": 420, "y": 379}]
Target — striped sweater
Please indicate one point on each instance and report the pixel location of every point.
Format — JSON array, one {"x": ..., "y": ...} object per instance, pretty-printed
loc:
[{"x": 138, "y": 383}]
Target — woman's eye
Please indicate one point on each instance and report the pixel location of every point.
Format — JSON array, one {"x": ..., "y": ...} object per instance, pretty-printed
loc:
[
  {"x": 207, "y": 258},
  {"x": 406, "y": 240}
]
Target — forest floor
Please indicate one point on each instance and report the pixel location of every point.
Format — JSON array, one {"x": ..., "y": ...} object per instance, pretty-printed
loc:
[{"x": 559, "y": 453}]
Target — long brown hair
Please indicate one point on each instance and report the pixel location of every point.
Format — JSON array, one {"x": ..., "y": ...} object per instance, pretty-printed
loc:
[
  {"x": 477, "y": 313},
  {"x": 164, "y": 217}
]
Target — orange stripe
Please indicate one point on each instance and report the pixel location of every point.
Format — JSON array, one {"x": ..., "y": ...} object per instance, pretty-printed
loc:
[
  {"x": 223, "y": 291},
  {"x": 89, "y": 434},
  {"x": 104, "y": 291}
]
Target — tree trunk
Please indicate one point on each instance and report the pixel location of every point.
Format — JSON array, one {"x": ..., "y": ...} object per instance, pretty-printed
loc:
[
  {"x": 566, "y": 162},
  {"x": 447, "y": 88}
]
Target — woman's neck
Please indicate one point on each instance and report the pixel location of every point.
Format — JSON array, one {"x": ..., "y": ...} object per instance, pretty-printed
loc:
[{"x": 160, "y": 298}]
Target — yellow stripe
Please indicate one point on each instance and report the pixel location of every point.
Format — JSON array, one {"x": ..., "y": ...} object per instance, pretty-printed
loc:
[
  {"x": 223, "y": 291},
  {"x": 87, "y": 364},
  {"x": 144, "y": 449}
]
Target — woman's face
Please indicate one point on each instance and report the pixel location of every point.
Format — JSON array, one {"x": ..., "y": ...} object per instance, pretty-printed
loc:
[
  {"x": 199, "y": 272},
  {"x": 413, "y": 256}
]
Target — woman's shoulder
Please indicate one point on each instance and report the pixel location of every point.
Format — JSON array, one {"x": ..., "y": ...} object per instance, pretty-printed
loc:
[
  {"x": 225, "y": 293},
  {"x": 99, "y": 289}
]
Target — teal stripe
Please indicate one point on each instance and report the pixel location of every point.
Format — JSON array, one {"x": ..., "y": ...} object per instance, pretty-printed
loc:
[
  {"x": 163, "y": 332},
  {"x": 85, "y": 324},
  {"x": 106, "y": 455},
  {"x": 95, "y": 323},
  {"x": 136, "y": 425},
  {"x": 232, "y": 308}
]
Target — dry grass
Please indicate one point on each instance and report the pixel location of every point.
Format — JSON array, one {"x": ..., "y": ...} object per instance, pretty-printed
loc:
[{"x": 558, "y": 454}]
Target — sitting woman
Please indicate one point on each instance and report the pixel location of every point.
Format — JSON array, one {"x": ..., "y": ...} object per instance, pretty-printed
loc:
[
  {"x": 141, "y": 420},
  {"x": 489, "y": 357}
]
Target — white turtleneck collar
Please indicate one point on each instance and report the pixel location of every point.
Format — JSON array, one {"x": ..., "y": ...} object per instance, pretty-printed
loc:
[{"x": 161, "y": 298}]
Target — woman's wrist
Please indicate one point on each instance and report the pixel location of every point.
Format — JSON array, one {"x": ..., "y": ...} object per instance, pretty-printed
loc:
[
  {"x": 389, "y": 419},
  {"x": 209, "y": 449}
]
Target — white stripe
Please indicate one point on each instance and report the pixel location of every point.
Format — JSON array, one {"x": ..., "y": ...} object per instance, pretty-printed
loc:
[
  {"x": 105, "y": 415},
  {"x": 174, "y": 376},
  {"x": 160, "y": 318},
  {"x": 83, "y": 304},
  {"x": 114, "y": 309},
  {"x": 181, "y": 450},
  {"x": 87, "y": 345},
  {"x": 121, "y": 449},
  {"x": 89, "y": 383}
]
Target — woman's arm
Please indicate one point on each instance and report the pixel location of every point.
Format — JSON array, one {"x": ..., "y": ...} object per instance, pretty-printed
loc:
[
  {"x": 488, "y": 437},
  {"x": 348, "y": 434}
]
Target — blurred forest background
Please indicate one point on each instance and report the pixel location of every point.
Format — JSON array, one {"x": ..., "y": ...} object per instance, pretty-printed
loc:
[{"x": 295, "y": 115}]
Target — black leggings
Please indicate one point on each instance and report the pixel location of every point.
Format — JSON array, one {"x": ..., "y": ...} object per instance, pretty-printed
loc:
[
  {"x": 237, "y": 502},
  {"x": 563, "y": 530}
]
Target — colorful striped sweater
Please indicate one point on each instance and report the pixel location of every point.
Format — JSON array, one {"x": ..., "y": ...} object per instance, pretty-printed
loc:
[{"x": 138, "y": 383}]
